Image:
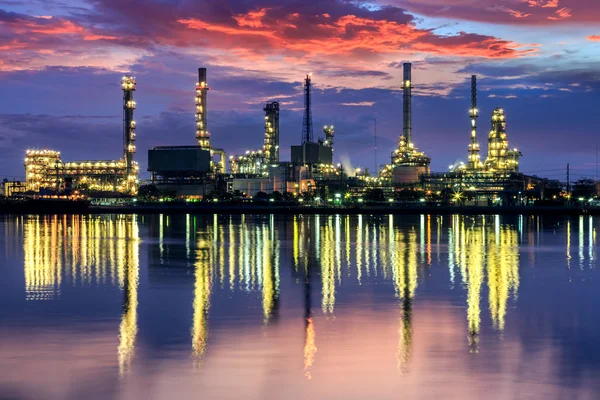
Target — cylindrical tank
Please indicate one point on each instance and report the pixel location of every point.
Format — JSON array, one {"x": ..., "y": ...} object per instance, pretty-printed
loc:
[{"x": 406, "y": 174}]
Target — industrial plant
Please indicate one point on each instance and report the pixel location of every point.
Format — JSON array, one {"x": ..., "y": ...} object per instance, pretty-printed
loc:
[
  {"x": 46, "y": 172},
  {"x": 198, "y": 171}
]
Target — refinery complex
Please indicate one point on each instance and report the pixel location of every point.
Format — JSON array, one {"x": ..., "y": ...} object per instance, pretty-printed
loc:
[{"x": 194, "y": 171}]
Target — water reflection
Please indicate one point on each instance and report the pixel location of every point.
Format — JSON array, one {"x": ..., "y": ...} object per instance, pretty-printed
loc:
[
  {"x": 76, "y": 250},
  {"x": 128, "y": 328},
  {"x": 331, "y": 266},
  {"x": 202, "y": 291},
  {"x": 84, "y": 251}
]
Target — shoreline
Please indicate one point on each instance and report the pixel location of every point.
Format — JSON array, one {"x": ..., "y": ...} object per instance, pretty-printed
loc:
[
  {"x": 84, "y": 208},
  {"x": 376, "y": 210},
  {"x": 303, "y": 210}
]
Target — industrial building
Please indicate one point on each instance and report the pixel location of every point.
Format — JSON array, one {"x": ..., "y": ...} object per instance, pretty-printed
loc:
[
  {"x": 311, "y": 162},
  {"x": 14, "y": 188},
  {"x": 202, "y": 133},
  {"x": 46, "y": 171},
  {"x": 408, "y": 163},
  {"x": 255, "y": 163},
  {"x": 497, "y": 178},
  {"x": 189, "y": 170},
  {"x": 197, "y": 170},
  {"x": 317, "y": 156}
]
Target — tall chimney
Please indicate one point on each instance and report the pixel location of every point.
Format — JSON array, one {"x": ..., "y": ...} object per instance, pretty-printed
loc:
[
  {"x": 307, "y": 126},
  {"x": 407, "y": 100},
  {"x": 128, "y": 87},
  {"x": 474, "y": 157},
  {"x": 202, "y": 134}
]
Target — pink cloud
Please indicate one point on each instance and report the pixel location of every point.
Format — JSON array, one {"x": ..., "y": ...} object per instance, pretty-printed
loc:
[
  {"x": 563, "y": 13},
  {"x": 539, "y": 12}
]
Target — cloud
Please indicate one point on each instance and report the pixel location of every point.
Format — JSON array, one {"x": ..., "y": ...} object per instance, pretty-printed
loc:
[
  {"x": 542, "y": 3},
  {"x": 495, "y": 96},
  {"x": 360, "y": 104},
  {"x": 514, "y": 13},
  {"x": 539, "y": 12},
  {"x": 269, "y": 35},
  {"x": 594, "y": 38},
  {"x": 347, "y": 36},
  {"x": 563, "y": 13}
]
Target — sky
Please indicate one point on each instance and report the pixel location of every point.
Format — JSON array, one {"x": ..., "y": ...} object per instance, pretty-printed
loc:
[{"x": 61, "y": 62}]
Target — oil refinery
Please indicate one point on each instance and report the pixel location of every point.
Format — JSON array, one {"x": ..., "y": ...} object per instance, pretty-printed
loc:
[
  {"x": 198, "y": 171},
  {"x": 46, "y": 172}
]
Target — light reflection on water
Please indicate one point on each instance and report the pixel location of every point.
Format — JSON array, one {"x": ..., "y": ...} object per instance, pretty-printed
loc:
[{"x": 442, "y": 289}]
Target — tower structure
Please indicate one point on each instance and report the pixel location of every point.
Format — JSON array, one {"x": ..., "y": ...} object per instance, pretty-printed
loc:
[
  {"x": 128, "y": 87},
  {"x": 500, "y": 157},
  {"x": 474, "y": 163},
  {"x": 408, "y": 162},
  {"x": 271, "y": 144},
  {"x": 307, "y": 125},
  {"x": 329, "y": 135},
  {"x": 407, "y": 103},
  {"x": 202, "y": 134}
]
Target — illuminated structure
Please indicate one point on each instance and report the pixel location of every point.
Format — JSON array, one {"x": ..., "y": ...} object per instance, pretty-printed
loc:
[
  {"x": 202, "y": 134},
  {"x": 317, "y": 157},
  {"x": 408, "y": 162},
  {"x": 202, "y": 89},
  {"x": 307, "y": 123},
  {"x": 271, "y": 146},
  {"x": 45, "y": 169},
  {"x": 329, "y": 134},
  {"x": 500, "y": 158},
  {"x": 256, "y": 162},
  {"x": 474, "y": 163},
  {"x": 14, "y": 188},
  {"x": 496, "y": 179},
  {"x": 128, "y": 86},
  {"x": 42, "y": 169}
]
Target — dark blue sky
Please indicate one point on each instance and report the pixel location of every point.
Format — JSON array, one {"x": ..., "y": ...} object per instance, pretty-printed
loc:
[{"x": 539, "y": 59}]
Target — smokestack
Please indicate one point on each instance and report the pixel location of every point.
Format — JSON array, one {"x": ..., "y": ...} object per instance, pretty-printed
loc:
[
  {"x": 128, "y": 87},
  {"x": 307, "y": 126},
  {"x": 474, "y": 157},
  {"x": 407, "y": 100},
  {"x": 202, "y": 134},
  {"x": 473, "y": 92}
]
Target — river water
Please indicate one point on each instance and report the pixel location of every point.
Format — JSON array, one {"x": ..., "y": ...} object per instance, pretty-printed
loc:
[{"x": 299, "y": 307}]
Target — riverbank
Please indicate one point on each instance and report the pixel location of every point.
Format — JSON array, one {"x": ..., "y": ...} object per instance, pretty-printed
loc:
[
  {"x": 224, "y": 208},
  {"x": 80, "y": 207}
]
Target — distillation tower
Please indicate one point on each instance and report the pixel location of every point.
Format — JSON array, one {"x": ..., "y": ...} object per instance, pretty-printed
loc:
[
  {"x": 256, "y": 162},
  {"x": 202, "y": 134},
  {"x": 408, "y": 162},
  {"x": 497, "y": 174},
  {"x": 128, "y": 87},
  {"x": 500, "y": 158},
  {"x": 271, "y": 144},
  {"x": 474, "y": 163}
]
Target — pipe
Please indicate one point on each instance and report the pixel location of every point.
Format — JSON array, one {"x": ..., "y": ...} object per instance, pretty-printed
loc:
[{"x": 222, "y": 159}]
